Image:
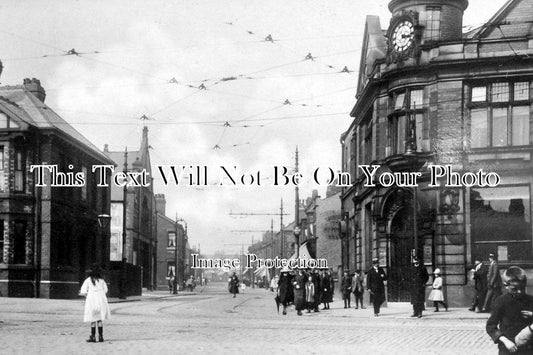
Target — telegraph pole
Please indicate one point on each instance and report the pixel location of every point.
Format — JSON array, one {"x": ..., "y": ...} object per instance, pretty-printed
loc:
[
  {"x": 297, "y": 212},
  {"x": 122, "y": 288}
]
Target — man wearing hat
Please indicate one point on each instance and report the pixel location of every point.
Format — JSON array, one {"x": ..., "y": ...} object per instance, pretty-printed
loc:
[
  {"x": 419, "y": 278},
  {"x": 376, "y": 287},
  {"x": 480, "y": 285},
  {"x": 494, "y": 283}
]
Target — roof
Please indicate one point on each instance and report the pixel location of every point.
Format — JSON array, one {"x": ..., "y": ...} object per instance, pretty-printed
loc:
[
  {"x": 22, "y": 105},
  {"x": 512, "y": 20}
]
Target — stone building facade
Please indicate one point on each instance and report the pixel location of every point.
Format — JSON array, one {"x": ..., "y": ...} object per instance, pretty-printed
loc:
[{"x": 431, "y": 96}]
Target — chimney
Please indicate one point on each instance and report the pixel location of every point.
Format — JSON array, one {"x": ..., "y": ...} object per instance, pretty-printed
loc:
[
  {"x": 160, "y": 203},
  {"x": 34, "y": 86}
]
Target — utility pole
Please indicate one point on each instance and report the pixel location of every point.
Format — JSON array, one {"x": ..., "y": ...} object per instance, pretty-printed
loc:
[
  {"x": 297, "y": 212},
  {"x": 282, "y": 236},
  {"x": 122, "y": 288}
]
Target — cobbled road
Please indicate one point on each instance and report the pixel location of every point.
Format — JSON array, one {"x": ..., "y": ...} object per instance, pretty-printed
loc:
[{"x": 211, "y": 321}]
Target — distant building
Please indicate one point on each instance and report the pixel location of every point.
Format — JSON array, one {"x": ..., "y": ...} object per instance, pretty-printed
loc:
[
  {"x": 141, "y": 237},
  {"x": 49, "y": 236},
  {"x": 328, "y": 241},
  {"x": 171, "y": 238},
  {"x": 430, "y": 94}
]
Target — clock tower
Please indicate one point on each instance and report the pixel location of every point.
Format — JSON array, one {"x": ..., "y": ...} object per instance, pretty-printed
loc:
[{"x": 418, "y": 23}]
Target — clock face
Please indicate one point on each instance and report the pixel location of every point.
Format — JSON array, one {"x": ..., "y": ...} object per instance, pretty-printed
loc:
[{"x": 402, "y": 36}]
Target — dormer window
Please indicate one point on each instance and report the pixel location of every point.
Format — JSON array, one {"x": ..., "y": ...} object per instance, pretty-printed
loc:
[{"x": 6, "y": 122}]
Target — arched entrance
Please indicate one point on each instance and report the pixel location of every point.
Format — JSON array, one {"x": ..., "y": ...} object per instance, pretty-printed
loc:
[{"x": 401, "y": 244}]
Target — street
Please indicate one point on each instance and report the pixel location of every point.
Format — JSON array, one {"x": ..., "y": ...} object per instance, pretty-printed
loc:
[{"x": 209, "y": 320}]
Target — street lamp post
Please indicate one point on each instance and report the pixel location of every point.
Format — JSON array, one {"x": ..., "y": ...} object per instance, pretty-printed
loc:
[
  {"x": 175, "y": 284},
  {"x": 122, "y": 292},
  {"x": 103, "y": 222},
  {"x": 296, "y": 232}
]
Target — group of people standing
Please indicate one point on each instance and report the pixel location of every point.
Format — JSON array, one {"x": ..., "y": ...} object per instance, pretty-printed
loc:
[
  {"x": 356, "y": 284},
  {"x": 487, "y": 284},
  {"x": 306, "y": 289}
]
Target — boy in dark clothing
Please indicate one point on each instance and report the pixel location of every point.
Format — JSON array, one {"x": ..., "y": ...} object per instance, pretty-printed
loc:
[{"x": 512, "y": 312}]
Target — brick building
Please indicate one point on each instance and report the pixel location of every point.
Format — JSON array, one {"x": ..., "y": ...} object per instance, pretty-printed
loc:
[
  {"x": 429, "y": 94},
  {"x": 141, "y": 238},
  {"x": 171, "y": 237},
  {"x": 49, "y": 236}
]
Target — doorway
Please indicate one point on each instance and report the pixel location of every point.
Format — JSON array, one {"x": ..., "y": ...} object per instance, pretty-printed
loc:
[{"x": 401, "y": 243}]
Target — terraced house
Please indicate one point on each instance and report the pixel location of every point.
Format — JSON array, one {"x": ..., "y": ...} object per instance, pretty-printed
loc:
[{"x": 434, "y": 92}]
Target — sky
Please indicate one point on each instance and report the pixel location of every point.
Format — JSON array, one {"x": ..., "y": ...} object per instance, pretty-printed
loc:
[{"x": 273, "y": 77}]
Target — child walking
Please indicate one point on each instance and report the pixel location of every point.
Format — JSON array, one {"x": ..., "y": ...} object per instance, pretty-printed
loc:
[
  {"x": 436, "y": 294},
  {"x": 96, "y": 306}
]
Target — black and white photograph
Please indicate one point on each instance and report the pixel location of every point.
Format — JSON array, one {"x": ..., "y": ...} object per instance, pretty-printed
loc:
[{"x": 266, "y": 177}]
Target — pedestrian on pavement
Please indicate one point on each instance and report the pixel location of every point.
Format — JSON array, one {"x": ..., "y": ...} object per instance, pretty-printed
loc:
[
  {"x": 274, "y": 284},
  {"x": 327, "y": 290},
  {"x": 419, "y": 278},
  {"x": 436, "y": 295},
  {"x": 346, "y": 288},
  {"x": 170, "y": 284},
  {"x": 494, "y": 283},
  {"x": 285, "y": 292},
  {"x": 298, "y": 284},
  {"x": 374, "y": 281},
  {"x": 511, "y": 313},
  {"x": 358, "y": 288},
  {"x": 479, "y": 275},
  {"x": 310, "y": 293},
  {"x": 96, "y": 307},
  {"x": 317, "y": 281},
  {"x": 233, "y": 284}
]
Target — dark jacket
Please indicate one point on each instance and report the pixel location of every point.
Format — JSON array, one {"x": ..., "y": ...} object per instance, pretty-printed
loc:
[
  {"x": 493, "y": 278},
  {"x": 233, "y": 284},
  {"x": 327, "y": 290},
  {"x": 506, "y": 319},
  {"x": 286, "y": 295},
  {"x": 419, "y": 278},
  {"x": 374, "y": 282}
]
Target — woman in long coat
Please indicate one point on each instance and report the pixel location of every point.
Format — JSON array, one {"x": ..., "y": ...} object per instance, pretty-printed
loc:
[
  {"x": 298, "y": 283},
  {"x": 286, "y": 296},
  {"x": 327, "y": 290},
  {"x": 96, "y": 306},
  {"x": 234, "y": 284}
]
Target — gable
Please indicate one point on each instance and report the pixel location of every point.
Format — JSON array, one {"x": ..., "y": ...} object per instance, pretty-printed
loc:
[
  {"x": 511, "y": 21},
  {"x": 374, "y": 49}
]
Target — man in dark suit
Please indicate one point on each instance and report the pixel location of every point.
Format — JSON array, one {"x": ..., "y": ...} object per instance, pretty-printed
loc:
[
  {"x": 376, "y": 287},
  {"x": 419, "y": 278},
  {"x": 480, "y": 285},
  {"x": 512, "y": 313},
  {"x": 494, "y": 283}
]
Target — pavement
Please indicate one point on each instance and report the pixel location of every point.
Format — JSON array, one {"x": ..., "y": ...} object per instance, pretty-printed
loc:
[{"x": 210, "y": 321}]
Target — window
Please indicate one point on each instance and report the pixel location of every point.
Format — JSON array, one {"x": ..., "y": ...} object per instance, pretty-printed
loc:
[
  {"x": 6, "y": 122},
  {"x": 171, "y": 269},
  {"x": 2, "y": 170},
  {"x": 171, "y": 239},
  {"x": 20, "y": 167},
  {"x": 433, "y": 23},
  {"x": 499, "y": 115},
  {"x": 407, "y": 127},
  {"x": 501, "y": 223},
  {"x": 19, "y": 247},
  {"x": 2, "y": 241}
]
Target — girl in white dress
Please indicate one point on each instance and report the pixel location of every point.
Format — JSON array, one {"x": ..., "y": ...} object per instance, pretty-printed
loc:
[
  {"x": 436, "y": 295},
  {"x": 96, "y": 306}
]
